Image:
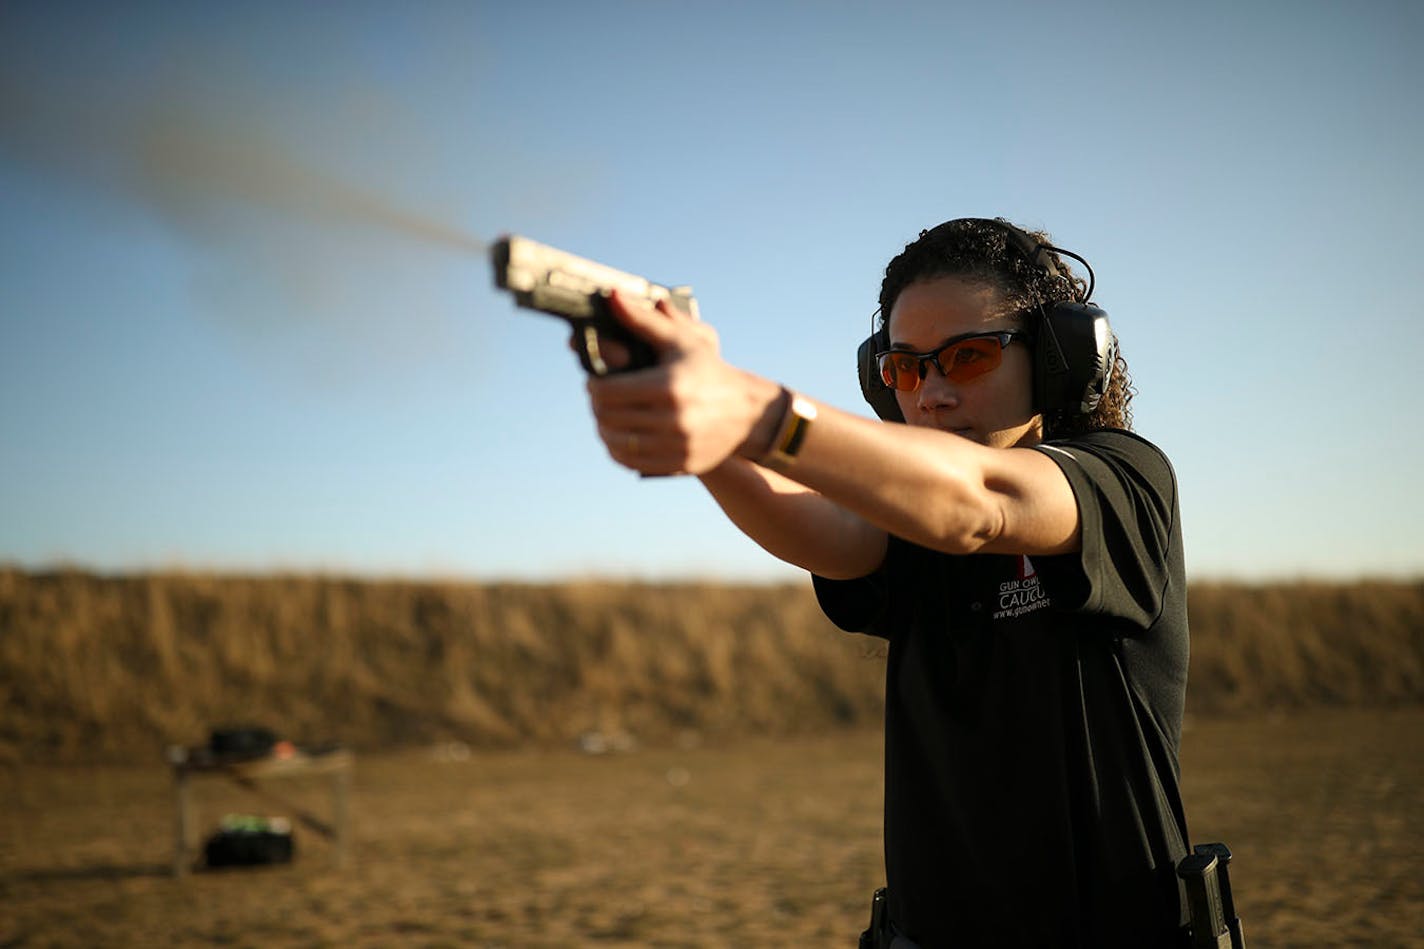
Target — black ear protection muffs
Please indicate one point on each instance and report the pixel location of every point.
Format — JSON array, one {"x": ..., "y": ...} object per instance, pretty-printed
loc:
[{"x": 1073, "y": 349}]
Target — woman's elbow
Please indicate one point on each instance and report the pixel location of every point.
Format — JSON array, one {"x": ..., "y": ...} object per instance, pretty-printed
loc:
[{"x": 966, "y": 528}]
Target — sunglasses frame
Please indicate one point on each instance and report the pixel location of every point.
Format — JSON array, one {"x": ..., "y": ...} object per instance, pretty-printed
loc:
[{"x": 925, "y": 359}]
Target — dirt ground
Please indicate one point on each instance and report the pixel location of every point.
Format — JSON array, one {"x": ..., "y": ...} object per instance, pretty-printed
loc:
[{"x": 764, "y": 843}]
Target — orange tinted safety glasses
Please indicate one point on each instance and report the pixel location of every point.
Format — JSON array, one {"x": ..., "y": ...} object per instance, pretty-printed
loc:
[{"x": 958, "y": 360}]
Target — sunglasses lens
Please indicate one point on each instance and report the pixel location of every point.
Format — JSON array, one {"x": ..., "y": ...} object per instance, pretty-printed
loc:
[
  {"x": 971, "y": 358},
  {"x": 960, "y": 362},
  {"x": 900, "y": 371}
]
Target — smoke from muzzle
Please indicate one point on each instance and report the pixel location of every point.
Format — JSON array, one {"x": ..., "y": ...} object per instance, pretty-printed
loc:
[{"x": 278, "y": 245}]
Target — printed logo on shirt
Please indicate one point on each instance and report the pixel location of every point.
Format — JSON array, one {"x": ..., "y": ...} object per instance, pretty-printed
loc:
[
  {"x": 1026, "y": 569},
  {"x": 1024, "y": 594}
]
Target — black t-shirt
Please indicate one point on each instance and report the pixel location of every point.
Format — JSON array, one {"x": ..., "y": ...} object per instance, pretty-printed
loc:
[{"x": 1033, "y": 717}]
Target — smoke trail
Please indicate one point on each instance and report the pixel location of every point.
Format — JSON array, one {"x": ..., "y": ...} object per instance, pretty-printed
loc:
[
  {"x": 169, "y": 150},
  {"x": 344, "y": 272},
  {"x": 177, "y": 152}
]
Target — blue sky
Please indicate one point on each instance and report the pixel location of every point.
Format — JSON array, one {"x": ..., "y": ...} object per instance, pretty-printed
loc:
[{"x": 211, "y": 369}]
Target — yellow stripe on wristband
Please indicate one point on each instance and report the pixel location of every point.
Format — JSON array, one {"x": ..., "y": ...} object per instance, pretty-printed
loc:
[{"x": 791, "y": 435}]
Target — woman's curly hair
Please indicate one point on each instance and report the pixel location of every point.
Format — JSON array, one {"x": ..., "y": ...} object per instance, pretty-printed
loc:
[{"x": 981, "y": 252}]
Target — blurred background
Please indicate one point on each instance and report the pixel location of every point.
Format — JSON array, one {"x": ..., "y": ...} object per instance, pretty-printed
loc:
[
  {"x": 248, "y": 323},
  {"x": 275, "y": 451}
]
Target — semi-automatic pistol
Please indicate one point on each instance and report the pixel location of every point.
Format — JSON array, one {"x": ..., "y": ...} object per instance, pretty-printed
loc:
[{"x": 553, "y": 281}]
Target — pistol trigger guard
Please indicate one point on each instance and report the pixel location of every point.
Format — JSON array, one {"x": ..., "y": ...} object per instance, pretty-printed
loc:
[{"x": 589, "y": 353}]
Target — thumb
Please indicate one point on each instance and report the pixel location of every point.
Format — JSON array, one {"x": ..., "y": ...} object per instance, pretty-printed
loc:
[{"x": 654, "y": 325}]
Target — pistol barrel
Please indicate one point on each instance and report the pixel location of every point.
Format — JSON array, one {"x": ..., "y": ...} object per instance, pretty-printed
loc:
[{"x": 559, "y": 283}]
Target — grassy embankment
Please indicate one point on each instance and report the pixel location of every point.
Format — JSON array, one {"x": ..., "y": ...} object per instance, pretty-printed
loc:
[{"x": 94, "y": 667}]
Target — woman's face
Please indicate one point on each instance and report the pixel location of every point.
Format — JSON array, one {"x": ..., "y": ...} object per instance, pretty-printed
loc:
[{"x": 994, "y": 409}]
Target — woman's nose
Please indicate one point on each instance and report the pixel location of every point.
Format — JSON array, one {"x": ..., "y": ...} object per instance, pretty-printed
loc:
[{"x": 936, "y": 392}]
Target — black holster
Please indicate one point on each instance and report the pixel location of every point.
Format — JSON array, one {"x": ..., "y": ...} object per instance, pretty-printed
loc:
[{"x": 879, "y": 935}]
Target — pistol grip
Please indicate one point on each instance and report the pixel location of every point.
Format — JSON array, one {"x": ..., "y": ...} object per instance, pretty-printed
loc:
[{"x": 605, "y": 326}]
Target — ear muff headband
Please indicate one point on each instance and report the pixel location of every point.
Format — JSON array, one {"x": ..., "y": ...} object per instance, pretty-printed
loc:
[{"x": 1074, "y": 350}]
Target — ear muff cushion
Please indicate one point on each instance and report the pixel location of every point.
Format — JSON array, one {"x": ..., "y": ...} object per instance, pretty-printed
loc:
[{"x": 1073, "y": 359}]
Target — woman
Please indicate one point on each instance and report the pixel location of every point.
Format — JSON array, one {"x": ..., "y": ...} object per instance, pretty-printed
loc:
[{"x": 1019, "y": 550}]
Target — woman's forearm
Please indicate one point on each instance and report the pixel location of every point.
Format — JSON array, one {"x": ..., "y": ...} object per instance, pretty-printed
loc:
[{"x": 794, "y": 523}]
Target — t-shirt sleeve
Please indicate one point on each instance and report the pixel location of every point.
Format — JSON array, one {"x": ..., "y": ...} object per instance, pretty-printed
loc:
[
  {"x": 1127, "y": 506},
  {"x": 860, "y": 605}
]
